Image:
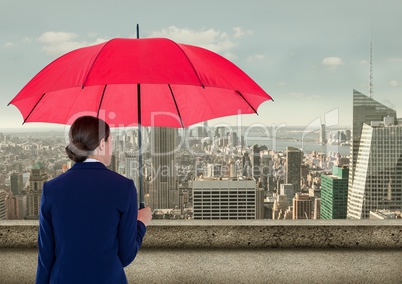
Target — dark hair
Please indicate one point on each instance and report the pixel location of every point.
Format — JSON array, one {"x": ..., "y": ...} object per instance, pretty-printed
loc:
[{"x": 85, "y": 135}]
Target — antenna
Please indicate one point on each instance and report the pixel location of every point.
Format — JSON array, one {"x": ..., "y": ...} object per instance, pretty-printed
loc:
[
  {"x": 371, "y": 52},
  {"x": 371, "y": 65}
]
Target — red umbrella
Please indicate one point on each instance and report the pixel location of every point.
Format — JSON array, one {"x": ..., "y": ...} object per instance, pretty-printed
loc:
[
  {"x": 187, "y": 83},
  {"x": 130, "y": 82}
]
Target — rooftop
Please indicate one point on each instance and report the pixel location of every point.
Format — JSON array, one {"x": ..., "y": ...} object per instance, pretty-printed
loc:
[{"x": 251, "y": 251}]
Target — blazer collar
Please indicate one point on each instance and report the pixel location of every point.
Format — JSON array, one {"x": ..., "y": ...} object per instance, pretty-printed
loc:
[{"x": 94, "y": 165}]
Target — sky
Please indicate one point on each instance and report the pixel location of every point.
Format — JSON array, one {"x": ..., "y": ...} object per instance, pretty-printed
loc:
[{"x": 308, "y": 55}]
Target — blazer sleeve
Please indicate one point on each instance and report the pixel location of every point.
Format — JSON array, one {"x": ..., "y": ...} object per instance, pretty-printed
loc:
[
  {"x": 131, "y": 232},
  {"x": 46, "y": 249}
]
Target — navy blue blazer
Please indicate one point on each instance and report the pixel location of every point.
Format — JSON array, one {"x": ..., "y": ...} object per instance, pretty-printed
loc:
[{"x": 88, "y": 228}]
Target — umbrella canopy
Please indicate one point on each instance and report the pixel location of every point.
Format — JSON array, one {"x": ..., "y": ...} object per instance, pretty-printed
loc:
[
  {"x": 180, "y": 85},
  {"x": 135, "y": 82}
]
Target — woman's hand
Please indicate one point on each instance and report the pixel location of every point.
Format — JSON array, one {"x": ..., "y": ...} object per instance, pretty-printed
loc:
[{"x": 145, "y": 215}]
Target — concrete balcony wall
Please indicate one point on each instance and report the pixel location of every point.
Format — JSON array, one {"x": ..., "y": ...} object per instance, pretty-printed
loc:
[{"x": 252, "y": 251}]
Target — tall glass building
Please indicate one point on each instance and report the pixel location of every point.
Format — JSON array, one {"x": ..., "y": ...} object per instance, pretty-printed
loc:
[
  {"x": 164, "y": 191},
  {"x": 294, "y": 158},
  {"x": 365, "y": 110},
  {"x": 334, "y": 194},
  {"x": 377, "y": 183}
]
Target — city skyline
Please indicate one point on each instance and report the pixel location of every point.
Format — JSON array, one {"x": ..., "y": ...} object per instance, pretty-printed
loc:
[
  {"x": 308, "y": 56},
  {"x": 268, "y": 170}
]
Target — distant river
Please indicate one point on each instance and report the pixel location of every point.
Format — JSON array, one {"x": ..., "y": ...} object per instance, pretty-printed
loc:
[{"x": 307, "y": 146}]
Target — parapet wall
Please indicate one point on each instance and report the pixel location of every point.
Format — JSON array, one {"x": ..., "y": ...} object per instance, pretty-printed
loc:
[{"x": 233, "y": 234}]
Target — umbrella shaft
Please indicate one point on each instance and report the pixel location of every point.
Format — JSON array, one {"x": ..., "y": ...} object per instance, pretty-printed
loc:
[{"x": 141, "y": 192}]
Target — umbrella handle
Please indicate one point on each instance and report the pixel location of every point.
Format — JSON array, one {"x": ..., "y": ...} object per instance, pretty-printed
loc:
[{"x": 142, "y": 205}]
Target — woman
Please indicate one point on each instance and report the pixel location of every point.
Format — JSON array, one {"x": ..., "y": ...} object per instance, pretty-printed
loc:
[{"x": 89, "y": 226}]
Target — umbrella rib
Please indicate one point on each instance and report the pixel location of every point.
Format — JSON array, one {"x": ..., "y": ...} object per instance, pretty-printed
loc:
[
  {"x": 100, "y": 103},
  {"x": 33, "y": 108},
  {"x": 175, "y": 103},
  {"x": 92, "y": 65},
  {"x": 191, "y": 64},
  {"x": 246, "y": 101}
]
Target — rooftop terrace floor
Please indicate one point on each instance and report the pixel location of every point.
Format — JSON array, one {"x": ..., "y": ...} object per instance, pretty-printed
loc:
[
  {"x": 304, "y": 265},
  {"x": 250, "y": 251}
]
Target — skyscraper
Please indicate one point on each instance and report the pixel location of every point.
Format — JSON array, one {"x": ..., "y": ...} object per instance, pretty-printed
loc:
[
  {"x": 323, "y": 134},
  {"x": 3, "y": 209},
  {"x": 17, "y": 183},
  {"x": 293, "y": 167},
  {"x": 334, "y": 193},
  {"x": 131, "y": 167},
  {"x": 365, "y": 110},
  {"x": 36, "y": 180},
  {"x": 377, "y": 183},
  {"x": 246, "y": 162},
  {"x": 256, "y": 162},
  {"x": 164, "y": 191}
]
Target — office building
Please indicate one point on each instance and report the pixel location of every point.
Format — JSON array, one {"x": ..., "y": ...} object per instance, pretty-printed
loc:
[
  {"x": 214, "y": 170},
  {"x": 294, "y": 158},
  {"x": 385, "y": 214},
  {"x": 16, "y": 183},
  {"x": 11, "y": 206},
  {"x": 16, "y": 206},
  {"x": 287, "y": 190},
  {"x": 164, "y": 190},
  {"x": 365, "y": 110},
  {"x": 303, "y": 206},
  {"x": 256, "y": 162},
  {"x": 377, "y": 183},
  {"x": 131, "y": 166},
  {"x": 317, "y": 208},
  {"x": 246, "y": 164},
  {"x": 3, "y": 209},
  {"x": 323, "y": 135},
  {"x": 266, "y": 171},
  {"x": 233, "y": 139},
  {"x": 280, "y": 207},
  {"x": 334, "y": 193},
  {"x": 227, "y": 199},
  {"x": 37, "y": 178}
]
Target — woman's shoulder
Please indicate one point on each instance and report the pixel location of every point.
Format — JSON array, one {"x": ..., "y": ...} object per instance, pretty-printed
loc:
[
  {"x": 99, "y": 173},
  {"x": 118, "y": 176}
]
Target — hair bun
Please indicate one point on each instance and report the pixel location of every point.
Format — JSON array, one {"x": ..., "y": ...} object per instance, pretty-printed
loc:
[
  {"x": 80, "y": 146},
  {"x": 77, "y": 151}
]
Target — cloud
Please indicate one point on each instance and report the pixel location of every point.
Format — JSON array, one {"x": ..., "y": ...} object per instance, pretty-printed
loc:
[
  {"x": 281, "y": 84},
  {"x": 256, "y": 57},
  {"x": 27, "y": 40},
  {"x": 394, "y": 83},
  {"x": 211, "y": 39},
  {"x": 58, "y": 43},
  {"x": 51, "y": 37},
  {"x": 395, "y": 59},
  {"x": 332, "y": 62},
  {"x": 8, "y": 45},
  {"x": 302, "y": 96},
  {"x": 239, "y": 32}
]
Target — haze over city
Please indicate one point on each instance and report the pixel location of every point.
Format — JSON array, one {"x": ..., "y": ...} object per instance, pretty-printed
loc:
[{"x": 309, "y": 56}]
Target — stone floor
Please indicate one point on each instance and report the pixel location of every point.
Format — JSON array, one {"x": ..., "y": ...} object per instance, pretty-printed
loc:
[{"x": 236, "y": 266}]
